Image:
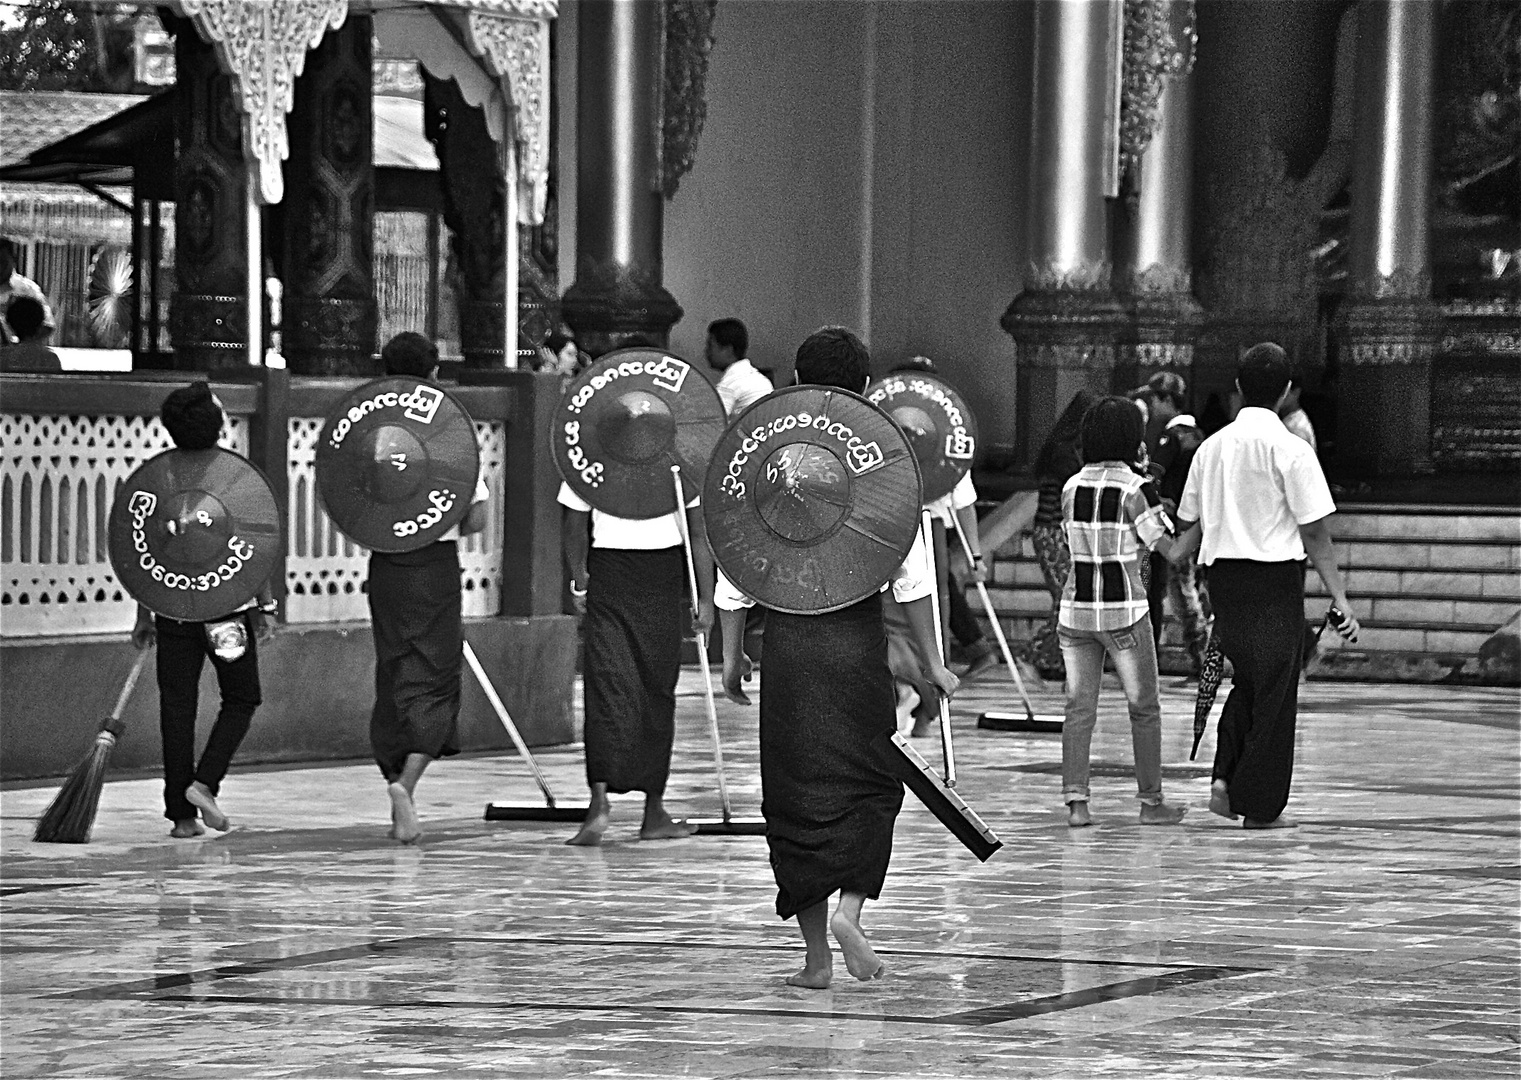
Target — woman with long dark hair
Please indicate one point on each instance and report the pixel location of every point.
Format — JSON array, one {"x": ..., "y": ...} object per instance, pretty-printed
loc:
[{"x": 1059, "y": 459}]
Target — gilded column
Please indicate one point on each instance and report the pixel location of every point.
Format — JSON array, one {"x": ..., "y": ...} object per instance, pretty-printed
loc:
[
  {"x": 1389, "y": 327},
  {"x": 619, "y": 209},
  {"x": 1066, "y": 321},
  {"x": 208, "y": 319},
  {"x": 329, "y": 308},
  {"x": 1265, "y": 170},
  {"x": 1157, "y": 154}
]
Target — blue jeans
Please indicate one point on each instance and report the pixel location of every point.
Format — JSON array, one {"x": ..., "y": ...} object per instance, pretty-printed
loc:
[{"x": 1135, "y": 661}]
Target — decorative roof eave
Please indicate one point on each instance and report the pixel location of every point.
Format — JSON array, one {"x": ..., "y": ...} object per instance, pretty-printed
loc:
[
  {"x": 516, "y": 51},
  {"x": 263, "y": 46}
]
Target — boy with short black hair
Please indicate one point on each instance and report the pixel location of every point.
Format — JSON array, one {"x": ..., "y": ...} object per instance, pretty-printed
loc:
[
  {"x": 1111, "y": 516},
  {"x": 193, "y": 417}
]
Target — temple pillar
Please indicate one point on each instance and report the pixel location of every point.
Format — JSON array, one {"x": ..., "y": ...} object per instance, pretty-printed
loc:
[
  {"x": 1264, "y": 75},
  {"x": 330, "y": 314},
  {"x": 475, "y": 209},
  {"x": 1066, "y": 322},
  {"x": 1389, "y": 327},
  {"x": 619, "y": 208},
  {"x": 1157, "y": 150},
  {"x": 208, "y": 316}
]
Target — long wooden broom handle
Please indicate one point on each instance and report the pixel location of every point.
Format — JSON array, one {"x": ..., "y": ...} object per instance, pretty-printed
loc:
[
  {"x": 702, "y": 643},
  {"x": 501, "y": 714},
  {"x": 128, "y": 686},
  {"x": 947, "y": 753},
  {"x": 1003, "y": 642}
]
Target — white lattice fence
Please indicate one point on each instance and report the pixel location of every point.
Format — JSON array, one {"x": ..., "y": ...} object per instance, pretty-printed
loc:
[
  {"x": 326, "y": 574},
  {"x": 61, "y": 474}
]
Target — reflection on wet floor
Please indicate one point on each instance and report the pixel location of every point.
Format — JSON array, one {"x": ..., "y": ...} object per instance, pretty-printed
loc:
[{"x": 1378, "y": 939}]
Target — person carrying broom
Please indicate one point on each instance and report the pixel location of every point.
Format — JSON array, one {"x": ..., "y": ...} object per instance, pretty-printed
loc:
[{"x": 193, "y": 417}]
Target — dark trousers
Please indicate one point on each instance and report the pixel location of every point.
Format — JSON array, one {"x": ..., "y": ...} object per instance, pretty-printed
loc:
[
  {"x": 1259, "y": 617},
  {"x": 964, "y": 626},
  {"x": 182, "y": 651}
]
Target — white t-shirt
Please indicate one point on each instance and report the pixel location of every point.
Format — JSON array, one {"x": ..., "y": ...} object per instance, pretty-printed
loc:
[
  {"x": 961, "y": 496},
  {"x": 625, "y": 534},
  {"x": 1251, "y": 485},
  {"x": 741, "y": 386},
  {"x": 914, "y": 579}
]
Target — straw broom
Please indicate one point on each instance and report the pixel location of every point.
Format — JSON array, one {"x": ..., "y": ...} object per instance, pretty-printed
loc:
[{"x": 71, "y": 816}]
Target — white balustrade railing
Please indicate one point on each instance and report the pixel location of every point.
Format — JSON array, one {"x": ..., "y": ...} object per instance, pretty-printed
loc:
[
  {"x": 61, "y": 474},
  {"x": 326, "y": 573}
]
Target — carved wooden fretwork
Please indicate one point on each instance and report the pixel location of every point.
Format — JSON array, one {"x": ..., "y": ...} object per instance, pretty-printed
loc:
[
  {"x": 263, "y": 47},
  {"x": 516, "y": 50}
]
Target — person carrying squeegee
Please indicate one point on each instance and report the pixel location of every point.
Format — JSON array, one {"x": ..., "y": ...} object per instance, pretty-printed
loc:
[
  {"x": 829, "y": 800},
  {"x": 415, "y": 609},
  {"x": 630, "y": 575}
]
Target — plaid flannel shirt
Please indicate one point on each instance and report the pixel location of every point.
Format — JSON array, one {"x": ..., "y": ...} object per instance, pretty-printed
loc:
[{"x": 1111, "y": 517}]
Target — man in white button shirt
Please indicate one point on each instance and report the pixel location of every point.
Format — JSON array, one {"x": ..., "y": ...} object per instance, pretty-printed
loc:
[
  {"x": 740, "y": 385},
  {"x": 1262, "y": 503}
]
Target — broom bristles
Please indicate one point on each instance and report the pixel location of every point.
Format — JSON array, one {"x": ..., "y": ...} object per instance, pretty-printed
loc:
[{"x": 71, "y": 816}]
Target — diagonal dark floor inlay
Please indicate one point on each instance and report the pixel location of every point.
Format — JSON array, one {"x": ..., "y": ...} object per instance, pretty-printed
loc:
[{"x": 172, "y": 987}]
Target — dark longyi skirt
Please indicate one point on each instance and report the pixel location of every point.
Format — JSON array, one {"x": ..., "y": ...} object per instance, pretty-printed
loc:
[
  {"x": 827, "y": 792},
  {"x": 636, "y": 609},
  {"x": 419, "y": 653}
]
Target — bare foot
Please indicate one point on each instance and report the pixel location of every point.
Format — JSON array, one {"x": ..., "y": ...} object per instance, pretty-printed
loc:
[
  {"x": 1220, "y": 800},
  {"x": 1029, "y": 672},
  {"x": 810, "y": 978},
  {"x": 982, "y": 663},
  {"x": 665, "y": 828},
  {"x": 592, "y": 828},
  {"x": 407, "y": 828},
  {"x": 924, "y": 723},
  {"x": 860, "y": 960},
  {"x": 1161, "y": 814},
  {"x": 199, "y": 796},
  {"x": 732, "y": 679},
  {"x": 1279, "y": 822},
  {"x": 1077, "y": 814},
  {"x": 185, "y": 829}
]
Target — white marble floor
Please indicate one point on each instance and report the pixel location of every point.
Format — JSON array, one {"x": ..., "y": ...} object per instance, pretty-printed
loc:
[{"x": 1380, "y": 938}]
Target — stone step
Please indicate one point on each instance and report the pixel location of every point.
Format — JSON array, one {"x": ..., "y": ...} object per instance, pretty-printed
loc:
[
  {"x": 1459, "y": 615},
  {"x": 1399, "y": 610},
  {"x": 1369, "y": 523},
  {"x": 1376, "y": 636},
  {"x": 1024, "y": 573},
  {"x": 1458, "y": 584},
  {"x": 1440, "y": 555}
]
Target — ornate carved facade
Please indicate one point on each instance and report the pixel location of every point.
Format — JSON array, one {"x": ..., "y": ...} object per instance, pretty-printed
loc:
[
  {"x": 208, "y": 317},
  {"x": 475, "y": 209},
  {"x": 329, "y": 308}
]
